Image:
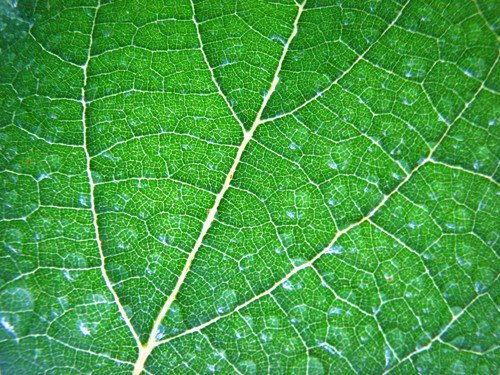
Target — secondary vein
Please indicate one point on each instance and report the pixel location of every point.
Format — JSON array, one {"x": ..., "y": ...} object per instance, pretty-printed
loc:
[
  {"x": 92, "y": 184},
  {"x": 212, "y": 75}
]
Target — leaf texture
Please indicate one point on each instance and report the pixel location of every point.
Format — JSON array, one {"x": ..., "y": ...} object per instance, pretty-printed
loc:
[{"x": 251, "y": 187}]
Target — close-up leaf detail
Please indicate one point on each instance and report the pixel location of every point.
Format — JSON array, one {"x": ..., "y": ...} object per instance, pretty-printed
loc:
[{"x": 249, "y": 187}]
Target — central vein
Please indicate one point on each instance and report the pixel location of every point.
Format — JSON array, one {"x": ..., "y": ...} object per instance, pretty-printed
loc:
[{"x": 145, "y": 351}]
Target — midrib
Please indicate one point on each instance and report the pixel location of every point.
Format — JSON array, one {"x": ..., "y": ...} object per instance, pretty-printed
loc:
[{"x": 146, "y": 350}]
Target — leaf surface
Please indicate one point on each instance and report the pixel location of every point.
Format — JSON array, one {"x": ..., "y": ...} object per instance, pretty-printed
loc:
[{"x": 249, "y": 187}]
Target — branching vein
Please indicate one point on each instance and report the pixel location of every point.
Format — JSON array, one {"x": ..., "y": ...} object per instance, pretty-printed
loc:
[{"x": 152, "y": 342}]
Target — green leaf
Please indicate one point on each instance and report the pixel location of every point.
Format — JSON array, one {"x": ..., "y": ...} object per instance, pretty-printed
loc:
[{"x": 249, "y": 186}]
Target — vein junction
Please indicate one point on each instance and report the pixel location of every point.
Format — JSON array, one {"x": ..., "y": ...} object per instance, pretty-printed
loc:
[{"x": 146, "y": 350}]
